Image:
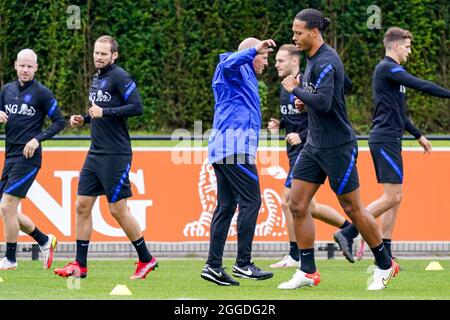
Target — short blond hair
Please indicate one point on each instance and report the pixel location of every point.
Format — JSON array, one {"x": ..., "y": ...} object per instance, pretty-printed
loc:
[
  {"x": 395, "y": 34},
  {"x": 111, "y": 41},
  {"x": 291, "y": 49}
]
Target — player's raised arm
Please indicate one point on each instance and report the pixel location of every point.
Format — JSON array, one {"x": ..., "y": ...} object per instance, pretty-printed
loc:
[{"x": 402, "y": 77}]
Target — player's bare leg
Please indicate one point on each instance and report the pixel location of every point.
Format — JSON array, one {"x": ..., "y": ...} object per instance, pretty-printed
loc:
[{"x": 120, "y": 211}]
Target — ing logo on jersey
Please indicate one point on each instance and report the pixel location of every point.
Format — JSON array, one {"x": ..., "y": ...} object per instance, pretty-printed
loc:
[
  {"x": 289, "y": 109},
  {"x": 24, "y": 109},
  {"x": 99, "y": 96}
]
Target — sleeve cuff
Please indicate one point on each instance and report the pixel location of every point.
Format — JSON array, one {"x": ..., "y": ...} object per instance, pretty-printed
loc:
[
  {"x": 297, "y": 91},
  {"x": 39, "y": 138},
  {"x": 303, "y": 136},
  {"x": 107, "y": 111},
  {"x": 86, "y": 119}
]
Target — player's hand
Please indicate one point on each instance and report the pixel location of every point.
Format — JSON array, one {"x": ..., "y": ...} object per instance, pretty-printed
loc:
[
  {"x": 30, "y": 148},
  {"x": 265, "y": 46},
  {"x": 289, "y": 83},
  {"x": 300, "y": 105},
  {"x": 95, "y": 111},
  {"x": 293, "y": 139},
  {"x": 3, "y": 117},
  {"x": 426, "y": 144},
  {"x": 273, "y": 125},
  {"x": 76, "y": 121}
]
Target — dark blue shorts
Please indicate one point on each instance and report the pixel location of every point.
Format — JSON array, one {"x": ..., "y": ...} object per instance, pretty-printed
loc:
[
  {"x": 288, "y": 182},
  {"x": 106, "y": 175},
  {"x": 292, "y": 159},
  {"x": 338, "y": 164},
  {"x": 17, "y": 177},
  {"x": 388, "y": 162}
]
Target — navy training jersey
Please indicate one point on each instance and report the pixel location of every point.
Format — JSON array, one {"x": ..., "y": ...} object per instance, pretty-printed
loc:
[
  {"x": 389, "y": 84},
  {"x": 293, "y": 121},
  {"x": 26, "y": 107},
  {"x": 116, "y": 93},
  {"x": 323, "y": 93}
]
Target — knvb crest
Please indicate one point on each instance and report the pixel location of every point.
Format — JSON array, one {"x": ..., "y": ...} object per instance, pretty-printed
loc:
[{"x": 309, "y": 87}]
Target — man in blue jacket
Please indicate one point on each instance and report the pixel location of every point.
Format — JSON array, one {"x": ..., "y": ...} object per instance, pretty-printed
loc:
[{"x": 232, "y": 150}]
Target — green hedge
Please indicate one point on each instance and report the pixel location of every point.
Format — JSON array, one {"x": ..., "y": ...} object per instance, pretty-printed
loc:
[{"x": 171, "y": 48}]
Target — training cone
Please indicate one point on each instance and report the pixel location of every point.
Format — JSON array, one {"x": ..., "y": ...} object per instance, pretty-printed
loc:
[
  {"x": 434, "y": 266},
  {"x": 120, "y": 290}
]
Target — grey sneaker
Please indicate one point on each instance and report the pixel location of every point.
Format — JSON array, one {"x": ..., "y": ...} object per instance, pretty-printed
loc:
[
  {"x": 344, "y": 245},
  {"x": 251, "y": 271}
]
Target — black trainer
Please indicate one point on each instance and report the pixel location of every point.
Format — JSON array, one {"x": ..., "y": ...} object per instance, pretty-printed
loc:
[
  {"x": 345, "y": 245},
  {"x": 251, "y": 272},
  {"x": 218, "y": 276}
]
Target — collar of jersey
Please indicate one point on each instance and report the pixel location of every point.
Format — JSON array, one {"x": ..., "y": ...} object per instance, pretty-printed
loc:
[
  {"x": 321, "y": 48},
  {"x": 106, "y": 69},
  {"x": 390, "y": 59},
  {"x": 22, "y": 88}
]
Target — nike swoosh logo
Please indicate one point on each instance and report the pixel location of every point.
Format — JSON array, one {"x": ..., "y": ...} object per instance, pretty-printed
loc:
[
  {"x": 305, "y": 254},
  {"x": 138, "y": 244},
  {"x": 84, "y": 244},
  {"x": 386, "y": 281},
  {"x": 313, "y": 276},
  {"x": 246, "y": 272},
  {"x": 381, "y": 249},
  {"x": 215, "y": 273}
]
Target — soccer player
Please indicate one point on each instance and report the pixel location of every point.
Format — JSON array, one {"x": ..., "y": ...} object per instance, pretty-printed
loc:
[
  {"x": 24, "y": 104},
  {"x": 389, "y": 84},
  {"x": 296, "y": 125},
  {"x": 114, "y": 98},
  {"x": 331, "y": 150},
  {"x": 232, "y": 150}
]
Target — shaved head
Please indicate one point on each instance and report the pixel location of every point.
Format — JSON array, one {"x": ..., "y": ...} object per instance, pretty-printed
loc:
[
  {"x": 248, "y": 43},
  {"x": 26, "y": 65},
  {"x": 27, "y": 54}
]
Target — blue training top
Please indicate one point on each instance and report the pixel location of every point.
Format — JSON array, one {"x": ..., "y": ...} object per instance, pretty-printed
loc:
[
  {"x": 116, "y": 93},
  {"x": 389, "y": 93},
  {"x": 323, "y": 93},
  {"x": 237, "y": 115},
  {"x": 26, "y": 107}
]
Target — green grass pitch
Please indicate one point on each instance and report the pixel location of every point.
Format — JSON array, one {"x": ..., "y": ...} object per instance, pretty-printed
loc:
[{"x": 180, "y": 279}]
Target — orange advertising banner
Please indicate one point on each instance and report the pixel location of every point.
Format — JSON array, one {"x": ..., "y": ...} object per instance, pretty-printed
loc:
[{"x": 174, "y": 196}]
